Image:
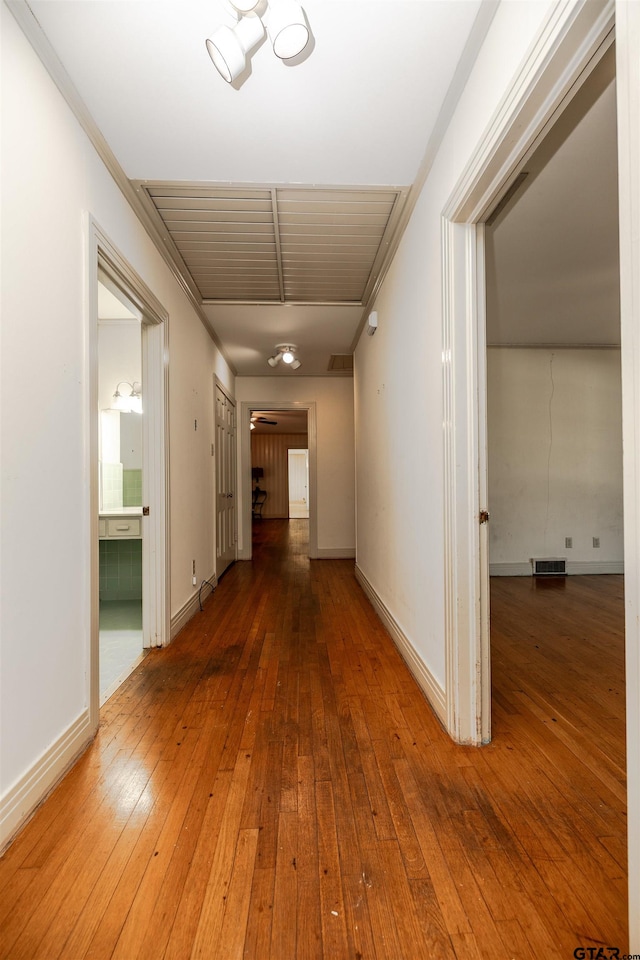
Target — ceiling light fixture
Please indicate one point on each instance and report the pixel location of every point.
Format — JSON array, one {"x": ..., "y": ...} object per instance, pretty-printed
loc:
[
  {"x": 287, "y": 28},
  {"x": 287, "y": 353},
  {"x": 229, "y": 46},
  {"x": 286, "y": 25},
  {"x": 129, "y": 403}
]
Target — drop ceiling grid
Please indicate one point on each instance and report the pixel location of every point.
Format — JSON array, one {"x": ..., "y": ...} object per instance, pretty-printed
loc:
[{"x": 303, "y": 244}]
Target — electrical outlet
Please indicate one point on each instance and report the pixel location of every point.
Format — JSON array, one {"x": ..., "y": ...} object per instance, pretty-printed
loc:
[
  {"x": 194, "y": 581},
  {"x": 596, "y": 542},
  {"x": 568, "y": 542}
]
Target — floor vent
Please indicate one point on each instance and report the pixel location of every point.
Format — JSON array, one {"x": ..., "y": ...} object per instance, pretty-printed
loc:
[{"x": 549, "y": 567}]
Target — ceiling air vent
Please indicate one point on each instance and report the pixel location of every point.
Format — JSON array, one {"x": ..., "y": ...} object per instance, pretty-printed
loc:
[
  {"x": 341, "y": 362},
  {"x": 549, "y": 567}
]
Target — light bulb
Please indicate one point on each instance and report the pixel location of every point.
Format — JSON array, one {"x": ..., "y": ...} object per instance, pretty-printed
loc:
[{"x": 288, "y": 357}]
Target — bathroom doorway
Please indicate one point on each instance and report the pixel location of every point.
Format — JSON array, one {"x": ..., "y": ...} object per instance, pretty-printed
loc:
[
  {"x": 129, "y": 426},
  {"x": 120, "y": 488}
]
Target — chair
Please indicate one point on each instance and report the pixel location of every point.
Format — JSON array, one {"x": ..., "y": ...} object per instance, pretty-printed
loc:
[{"x": 257, "y": 503}]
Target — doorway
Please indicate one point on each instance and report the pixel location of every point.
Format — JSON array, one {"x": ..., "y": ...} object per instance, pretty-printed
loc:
[
  {"x": 143, "y": 440},
  {"x": 298, "y": 477},
  {"x": 554, "y": 395},
  {"x": 569, "y": 59},
  {"x": 120, "y": 488},
  {"x": 260, "y": 450}
]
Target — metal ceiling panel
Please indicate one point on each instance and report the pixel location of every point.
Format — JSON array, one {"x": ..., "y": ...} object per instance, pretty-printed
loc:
[{"x": 277, "y": 244}]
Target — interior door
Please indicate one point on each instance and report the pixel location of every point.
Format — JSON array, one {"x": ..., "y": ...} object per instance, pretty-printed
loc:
[{"x": 225, "y": 459}]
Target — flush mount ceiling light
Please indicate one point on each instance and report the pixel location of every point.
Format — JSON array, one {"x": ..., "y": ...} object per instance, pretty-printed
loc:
[
  {"x": 129, "y": 402},
  {"x": 287, "y": 353},
  {"x": 230, "y": 45}
]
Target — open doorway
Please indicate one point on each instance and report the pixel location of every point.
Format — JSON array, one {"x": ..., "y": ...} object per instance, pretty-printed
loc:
[
  {"x": 554, "y": 393},
  {"x": 268, "y": 430},
  {"x": 120, "y": 488},
  {"x": 298, "y": 477},
  {"x": 128, "y": 441},
  {"x": 279, "y": 464}
]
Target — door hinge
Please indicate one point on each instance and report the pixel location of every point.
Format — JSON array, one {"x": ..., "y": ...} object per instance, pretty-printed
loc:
[{"x": 484, "y": 516}]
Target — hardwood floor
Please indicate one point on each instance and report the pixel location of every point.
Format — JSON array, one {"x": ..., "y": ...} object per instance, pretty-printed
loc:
[{"x": 273, "y": 785}]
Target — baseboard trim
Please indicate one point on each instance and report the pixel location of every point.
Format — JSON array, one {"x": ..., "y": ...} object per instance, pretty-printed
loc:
[
  {"x": 335, "y": 553},
  {"x": 574, "y": 568},
  {"x": 510, "y": 569},
  {"x": 189, "y": 609},
  {"x": 20, "y": 802},
  {"x": 585, "y": 567},
  {"x": 432, "y": 690}
]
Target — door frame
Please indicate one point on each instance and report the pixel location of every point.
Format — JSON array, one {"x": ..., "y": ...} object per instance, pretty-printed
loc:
[
  {"x": 217, "y": 383},
  {"x": 246, "y": 407},
  {"x": 568, "y": 46},
  {"x": 106, "y": 258}
]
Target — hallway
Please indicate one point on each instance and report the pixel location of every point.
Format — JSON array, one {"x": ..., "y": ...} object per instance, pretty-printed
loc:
[{"x": 273, "y": 784}]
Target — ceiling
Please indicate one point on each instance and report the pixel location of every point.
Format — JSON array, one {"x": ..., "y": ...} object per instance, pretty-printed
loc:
[
  {"x": 280, "y": 198},
  {"x": 286, "y": 421}
]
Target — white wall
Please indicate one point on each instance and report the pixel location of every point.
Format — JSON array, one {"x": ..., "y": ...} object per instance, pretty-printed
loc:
[
  {"x": 555, "y": 458},
  {"x": 52, "y": 181},
  {"x": 399, "y": 441},
  {"x": 335, "y": 447}
]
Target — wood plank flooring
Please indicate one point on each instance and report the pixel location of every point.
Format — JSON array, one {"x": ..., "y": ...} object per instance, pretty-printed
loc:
[{"x": 273, "y": 785}]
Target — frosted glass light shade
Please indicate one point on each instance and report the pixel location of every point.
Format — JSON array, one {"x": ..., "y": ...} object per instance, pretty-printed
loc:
[
  {"x": 228, "y": 47},
  {"x": 287, "y": 28},
  {"x": 244, "y": 6}
]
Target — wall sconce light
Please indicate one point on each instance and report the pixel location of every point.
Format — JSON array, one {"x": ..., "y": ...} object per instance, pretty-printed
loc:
[
  {"x": 131, "y": 402},
  {"x": 286, "y": 26},
  {"x": 287, "y": 353}
]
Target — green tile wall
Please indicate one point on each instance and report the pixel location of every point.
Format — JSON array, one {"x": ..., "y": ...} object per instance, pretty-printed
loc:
[
  {"x": 132, "y": 488},
  {"x": 121, "y": 569}
]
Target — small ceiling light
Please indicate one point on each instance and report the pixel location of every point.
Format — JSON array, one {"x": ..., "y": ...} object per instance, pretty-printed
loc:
[
  {"x": 229, "y": 46},
  {"x": 287, "y": 28},
  {"x": 287, "y": 353},
  {"x": 231, "y": 43}
]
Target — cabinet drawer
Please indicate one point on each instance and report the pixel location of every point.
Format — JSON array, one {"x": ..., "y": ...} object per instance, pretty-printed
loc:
[{"x": 123, "y": 527}]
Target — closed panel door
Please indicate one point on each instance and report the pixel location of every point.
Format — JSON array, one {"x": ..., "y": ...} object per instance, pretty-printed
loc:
[{"x": 225, "y": 482}]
